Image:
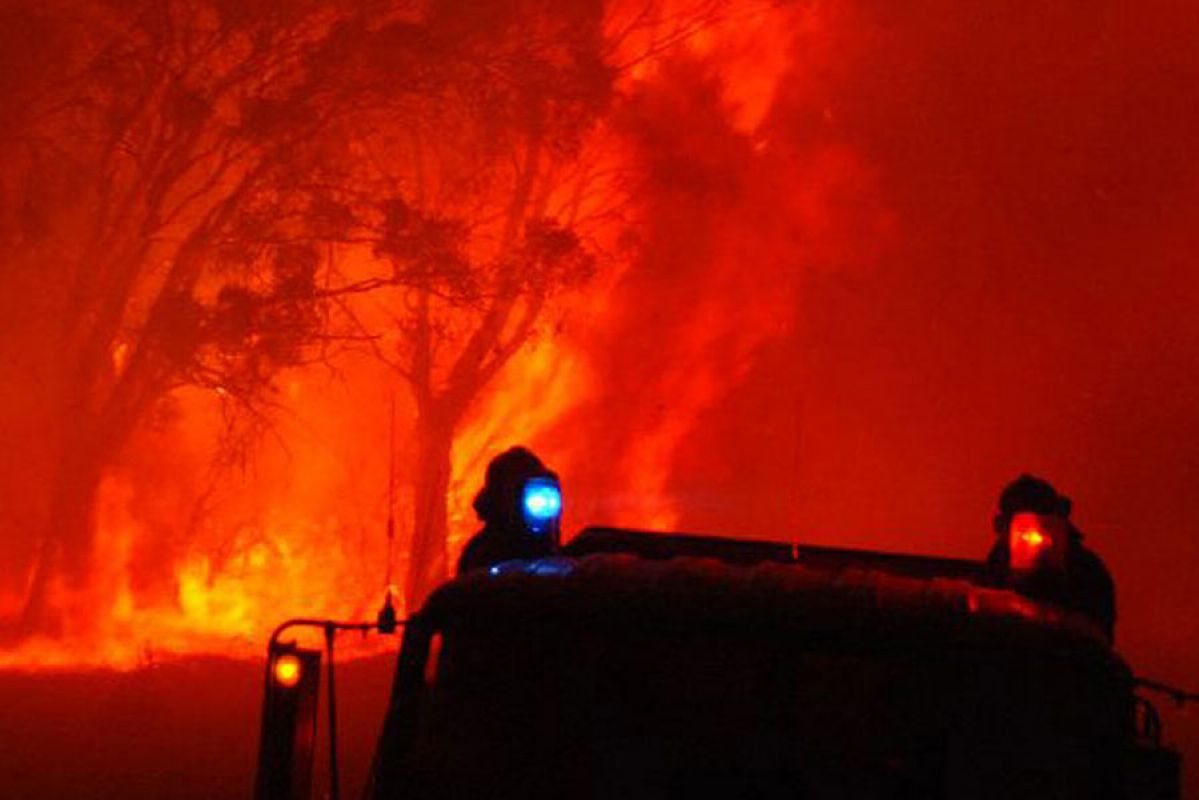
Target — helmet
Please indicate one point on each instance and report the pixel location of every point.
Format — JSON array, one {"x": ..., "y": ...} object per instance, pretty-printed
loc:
[
  {"x": 499, "y": 501},
  {"x": 1029, "y": 493}
]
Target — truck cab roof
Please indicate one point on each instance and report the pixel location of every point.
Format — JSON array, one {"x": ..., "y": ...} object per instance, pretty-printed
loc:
[
  {"x": 634, "y": 658},
  {"x": 614, "y": 574}
]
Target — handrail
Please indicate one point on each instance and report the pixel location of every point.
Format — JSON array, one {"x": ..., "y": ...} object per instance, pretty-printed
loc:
[{"x": 1180, "y": 696}]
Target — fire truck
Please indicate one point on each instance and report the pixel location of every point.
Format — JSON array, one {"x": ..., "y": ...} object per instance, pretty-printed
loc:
[{"x": 631, "y": 664}]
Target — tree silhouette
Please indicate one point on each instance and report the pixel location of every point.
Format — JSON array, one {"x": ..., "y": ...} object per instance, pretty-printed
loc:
[
  {"x": 169, "y": 223},
  {"x": 172, "y": 187},
  {"x": 480, "y": 192},
  {"x": 475, "y": 197}
]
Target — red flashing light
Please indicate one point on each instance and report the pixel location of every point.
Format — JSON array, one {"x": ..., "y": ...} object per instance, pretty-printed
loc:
[
  {"x": 1032, "y": 538},
  {"x": 1033, "y": 542}
]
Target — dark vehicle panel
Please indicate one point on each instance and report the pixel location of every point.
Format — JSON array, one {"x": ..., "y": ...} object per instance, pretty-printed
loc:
[{"x": 611, "y": 675}]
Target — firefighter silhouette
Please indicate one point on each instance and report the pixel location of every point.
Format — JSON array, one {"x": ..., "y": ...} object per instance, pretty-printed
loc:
[
  {"x": 1039, "y": 553},
  {"x": 506, "y": 534}
]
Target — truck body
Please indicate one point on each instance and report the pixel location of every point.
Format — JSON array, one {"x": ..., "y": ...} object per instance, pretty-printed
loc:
[{"x": 647, "y": 665}]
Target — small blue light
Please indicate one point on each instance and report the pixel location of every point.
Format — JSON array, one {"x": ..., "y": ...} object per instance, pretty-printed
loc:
[
  {"x": 542, "y": 504},
  {"x": 553, "y": 566}
]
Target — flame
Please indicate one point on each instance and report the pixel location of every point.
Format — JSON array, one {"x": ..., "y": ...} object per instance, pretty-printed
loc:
[
  {"x": 120, "y": 357},
  {"x": 226, "y": 605},
  {"x": 187, "y": 562}
]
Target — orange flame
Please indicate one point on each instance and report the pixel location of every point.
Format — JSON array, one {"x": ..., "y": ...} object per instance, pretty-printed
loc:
[{"x": 299, "y": 530}]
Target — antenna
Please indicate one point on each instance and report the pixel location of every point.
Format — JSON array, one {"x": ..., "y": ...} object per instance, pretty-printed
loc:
[
  {"x": 387, "y": 614},
  {"x": 391, "y": 490}
]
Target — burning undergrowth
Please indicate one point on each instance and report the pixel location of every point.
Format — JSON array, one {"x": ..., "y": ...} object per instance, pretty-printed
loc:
[{"x": 674, "y": 201}]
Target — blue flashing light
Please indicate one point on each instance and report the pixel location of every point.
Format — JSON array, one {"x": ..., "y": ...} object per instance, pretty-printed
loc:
[{"x": 542, "y": 504}]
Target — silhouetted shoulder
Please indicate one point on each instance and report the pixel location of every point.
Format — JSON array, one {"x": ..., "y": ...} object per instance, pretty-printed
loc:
[
  {"x": 1093, "y": 591},
  {"x": 483, "y": 550}
]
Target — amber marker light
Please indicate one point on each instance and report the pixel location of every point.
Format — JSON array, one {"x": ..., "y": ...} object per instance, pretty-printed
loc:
[{"x": 287, "y": 671}]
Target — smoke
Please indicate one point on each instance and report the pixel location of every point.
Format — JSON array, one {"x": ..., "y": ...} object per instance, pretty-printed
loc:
[
  {"x": 861, "y": 264},
  {"x": 733, "y": 218},
  {"x": 870, "y": 261}
]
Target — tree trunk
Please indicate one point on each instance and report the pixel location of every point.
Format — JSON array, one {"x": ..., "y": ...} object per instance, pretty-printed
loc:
[
  {"x": 65, "y": 543},
  {"x": 427, "y": 559}
]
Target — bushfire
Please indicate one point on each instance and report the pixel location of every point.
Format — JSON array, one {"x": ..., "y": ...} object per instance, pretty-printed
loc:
[
  {"x": 278, "y": 351},
  {"x": 278, "y": 279}
]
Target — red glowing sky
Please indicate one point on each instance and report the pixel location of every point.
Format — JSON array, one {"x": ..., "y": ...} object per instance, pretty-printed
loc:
[
  {"x": 1035, "y": 310},
  {"x": 1033, "y": 307}
]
